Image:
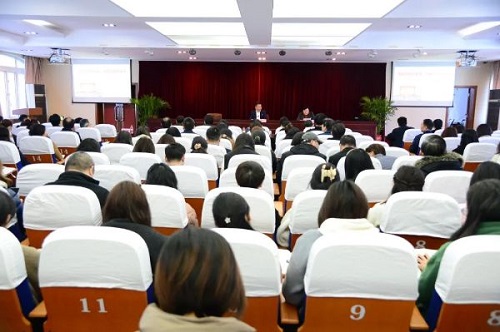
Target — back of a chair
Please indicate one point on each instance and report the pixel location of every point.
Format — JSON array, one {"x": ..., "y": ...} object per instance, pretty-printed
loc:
[
  {"x": 261, "y": 208},
  {"x": 160, "y": 150},
  {"x": 226, "y": 144},
  {"x": 141, "y": 161},
  {"x": 467, "y": 296},
  {"x": 228, "y": 179},
  {"x": 363, "y": 138},
  {"x": 115, "y": 151},
  {"x": 186, "y": 142},
  {"x": 451, "y": 143},
  {"x": 304, "y": 214},
  {"x": 37, "y": 149},
  {"x": 107, "y": 131},
  {"x": 36, "y": 175},
  {"x": 376, "y": 184},
  {"x": 367, "y": 143},
  {"x": 16, "y": 299},
  {"x": 258, "y": 261},
  {"x": 206, "y": 162},
  {"x": 425, "y": 219},
  {"x": 66, "y": 141},
  {"x": 192, "y": 182},
  {"x": 341, "y": 168},
  {"x": 357, "y": 297},
  {"x": 51, "y": 207},
  {"x": 155, "y": 137},
  {"x": 376, "y": 163},
  {"x": 476, "y": 153},
  {"x": 99, "y": 158},
  {"x": 235, "y": 130},
  {"x": 489, "y": 139},
  {"x": 90, "y": 133},
  {"x": 405, "y": 161},
  {"x": 239, "y": 158},
  {"x": 423, "y": 138},
  {"x": 409, "y": 135},
  {"x": 327, "y": 145},
  {"x": 263, "y": 151},
  {"x": 104, "y": 272},
  {"x": 394, "y": 151},
  {"x": 331, "y": 151},
  {"x": 9, "y": 155},
  {"x": 189, "y": 136},
  {"x": 452, "y": 183},
  {"x": 22, "y": 134},
  {"x": 51, "y": 130},
  {"x": 168, "y": 208},
  {"x": 201, "y": 131},
  {"x": 294, "y": 161},
  {"x": 16, "y": 130},
  {"x": 298, "y": 181},
  {"x": 281, "y": 145},
  {"x": 110, "y": 175},
  {"x": 218, "y": 152}
]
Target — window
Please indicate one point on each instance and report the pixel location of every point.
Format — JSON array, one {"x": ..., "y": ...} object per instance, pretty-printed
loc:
[{"x": 12, "y": 84}]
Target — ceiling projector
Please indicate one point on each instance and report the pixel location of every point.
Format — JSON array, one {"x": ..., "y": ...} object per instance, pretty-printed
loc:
[{"x": 59, "y": 56}]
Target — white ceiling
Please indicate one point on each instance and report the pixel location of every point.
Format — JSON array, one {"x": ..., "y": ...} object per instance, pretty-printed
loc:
[{"x": 78, "y": 26}]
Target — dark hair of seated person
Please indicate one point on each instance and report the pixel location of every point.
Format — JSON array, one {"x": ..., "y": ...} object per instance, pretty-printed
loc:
[
  {"x": 127, "y": 200},
  {"x": 356, "y": 161},
  {"x": 259, "y": 137},
  {"x": 166, "y": 139},
  {"x": 344, "y": 200},
  {"x": 408, "y": 178},
  {"x": 297, "y": 138},
  {"x": 123, "y": 137},
  {"x": 4, "y": 134},
  {"x": 89, "y": 145},
  {"x": 486, "y": 170},
  {"x": 173, "y": 131},
  {"x": 161, "y": 174},
  {"x": 250, "y": 174},
  {"x": 7, "y": 208},
  {"x": 144, "y": 144},
  {"x": 174, "y": 151},
  {"x": 243, "y": 141},
  {"x": 142, "y": 130},
  {"x": 323, "y": 176},
  {"x": 434, "y": 145},
  {"x": 199, "y": 145},
  {"x": 230, "y": 210},
  {"x": 449, "y": 132},
  {"x": 37, "y": 130},
  {"x": 197, "y": 274}
]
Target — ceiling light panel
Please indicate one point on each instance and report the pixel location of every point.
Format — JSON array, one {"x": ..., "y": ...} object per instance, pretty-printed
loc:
[
  {"x": 318, "y": 29},
  {"x": 40, "y": 23},
  {"x": 333, "y": 8},
  {"x": 180, "y": 8},
  {"x": 478, "y": 28},
  {"x": 311, "y": 41}
]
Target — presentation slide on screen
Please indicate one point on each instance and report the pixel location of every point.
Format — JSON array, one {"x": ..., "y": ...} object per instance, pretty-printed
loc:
[
  {"x": 423, "y": 84},
  {"x": 101, "y": 81}
]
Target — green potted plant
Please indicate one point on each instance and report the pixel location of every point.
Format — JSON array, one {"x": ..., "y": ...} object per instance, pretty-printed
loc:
[
  {"x": 148, "y": 106},
  {"x": 377, "y": 109}
]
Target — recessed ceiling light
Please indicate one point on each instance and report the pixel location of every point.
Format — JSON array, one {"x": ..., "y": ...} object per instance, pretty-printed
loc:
[
  {"x": 414, "y": 26},
  {"x": 340, "y": 53},
  {"x": 26, "y": 50},
  {"x": 478, "y": 28},
  {"x": 40, "y": 23},
  {"x": 109, "y": 25},
  {"x": 260, "y": 52},
  {"x": 261, "y": 58},
  {"x": 192, "y": 58},
  {"x": 333, "y": 59},
  {"x": 181, "y": 52},
  {"x": 31, "y": 33}
]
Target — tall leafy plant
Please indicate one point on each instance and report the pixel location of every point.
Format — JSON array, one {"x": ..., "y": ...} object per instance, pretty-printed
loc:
[
  {"x": 148, "y": 106},
  {"x": 377, "y": 109}
]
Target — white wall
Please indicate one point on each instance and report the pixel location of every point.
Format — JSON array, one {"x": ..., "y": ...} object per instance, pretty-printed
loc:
[
  {"x": 479, "y": 76},
  {"x": 57, "y": 80}
]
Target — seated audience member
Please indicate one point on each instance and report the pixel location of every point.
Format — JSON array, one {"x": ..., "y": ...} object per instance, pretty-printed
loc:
[
  {"x": 166, "y": 139},
  {"x": 144, "y": 144},
  {"x": 435, "y": 157},
  {"x": 230, "y": 210},
  {"x": 426, "y": 128},
  {"x": 5, "y": 136},
  {"x": 406, "y": 178},
  {"x": 142, "y": 131},
  {"x": 179, "y": 120},
  {"x": 297, "y": 138},
  {"x": 226, "y": 133},
  {"x": 258, "y": 113},
  {"x": 223, "y": 124},
  {"x": 483, "y": 217},
  {"x": 486, "y": 170},
  {"x": 305, "y": 114},
  {"x": 188, "y": 125},
  {"x": 244, "y": 145},
  {"x": 84, "y": 123},
  {"x": 199, "y": 145},
  {"x": 23, "y": 117},
  {"x": 78, "y": 171},
  {"x": 308, "y": 125},
  {"x": 291, "y": 131},
  {"x": 31, "y": 255},
  {"x": 39, "y": 130},
  {"x": 449, "y": 132},
  {"x": 7, "y": 124},
  {"x": 284, "y": 122},
  {"x": 468, "y": 136},
  {"x": 166, "y": 122},
  {"x": 459, "y": 127},
  {"x": 123, "y": 137},
  {"x": 378, "y": 151},
  {"x": 174, "y": 154},
  {"x": 484, "y": 129},
  {"x": 438, "y": 124},
  {"x": 68, "y": 124},
  {"x": 213, "y": 139},
  {"x": 127, "y": 207},
  {"x": 344, "y": 209},
  {"x": 78, "y": 119},
  {"x": 308, "y": 146},
  {"x": 198, "y": 286},
  {"x": 323, "y": 176},
  {"x": 208, "y": 120},
  {"x": 162, "y": 175},
  {"x": 356, "y": 161},
  {"x": 255, "y": 125},
  {"x": 347, "y": 143},
  {"x": 174, "y": 132},
  {"x": 496, "y": 157},
  {"x": 338, "y": 130},
  {"x": 395, "y": 138},
  {"x": 259, "y": 138},
  {"x": 318, "y": 121},
  {"x": 89, "y": 145},
  {"x": 55, "y": 120},
  {"x": 17, "y": 227},
  {"x": 326, "y": 128}
]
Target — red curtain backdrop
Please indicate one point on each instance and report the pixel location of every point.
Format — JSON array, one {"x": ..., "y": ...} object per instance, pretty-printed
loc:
[{"x": 196, "y": 88}]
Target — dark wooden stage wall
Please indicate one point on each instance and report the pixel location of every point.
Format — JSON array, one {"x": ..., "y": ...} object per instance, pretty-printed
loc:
[{"x": 196, "y": 88}]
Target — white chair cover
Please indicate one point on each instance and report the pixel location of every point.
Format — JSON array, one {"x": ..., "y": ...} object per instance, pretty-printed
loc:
[
  {"x": 96, "y": 257},
  {"x": 192, "y": 181},
  {"x": 304, "y": 213},
  {"x": 226, "y": 144},
  {"x": 141, "y": 161},
  {"x": 56, "y": 206},
  {"x": 384, "y": 267},
  {"x": 186, "y": 142},
  {"x": 280, "y": 135},
  {"x": 258, "y": 261},
  {"x": 90, "y": 133},
  {"x": 235, "y": 130},
  {"x": 205, "y": 162},
  {"x": 405, "y": 161},
  {"x": 160, "y": 150},
  {"x": 106, "y": 130},
  {"x": 115, "y": 151},
  {"x": 394, "y": 151},
  {"x": 65, "y": 139},
  {"x": 168, "y": 207},
  {"x": 9, "y": 154},
  {"x": 36, "y": 175},
  {"x": 155, "y": 137},
  {"x": 294, "y": 161},
  {"x": 478, "y": 152},
  {"x": 367, "y": 143},
  {"x": 218, "y": 152},
  {"x": 363, "y": 138},
  {"x": 298, "y": 181},
  {"x": 99, "y": 158},
  {"x": 376, "y": 184},
  {"x": 137, "y": 138},
  {"x": 239, "y": 158},
  {"x": 36, "y": 145},
  {"x": 51, "y": 130},
  {"x": 12, "y": 268},
  {"x": 228, "y": 179},
  {"x": 489, "y": 139},
  {"x": 451, "y": 143},
  {"x": 421, "y": 213},
  {"x": 264, "y": 151},
  {"x": 261, "y": 208},
  {"x": 423, "y": 138},
  {"x": 16, "y": 130},
  {"x": 189, "y": 136},
  {"x": 331, "y": 151},
  {"x": 376, "y": 163},
  {"x": 410, "y": 134},
  {"x": 280, "y": 146},
  {"x": 201, "y": 131},
  {"x": 327, "y": 145},
  {"x": 110, "y": 175},
  {"x": 452, "y": 183},
  {"x": 341, "y": 168}
]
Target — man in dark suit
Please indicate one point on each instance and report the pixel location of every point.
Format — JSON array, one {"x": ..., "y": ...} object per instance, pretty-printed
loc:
[
  {"x": 426, "y": 128},
  {"x": 395, "y": 138},
  {"x": 346, "y": 143},
  {"x": 258, "y": 113}
]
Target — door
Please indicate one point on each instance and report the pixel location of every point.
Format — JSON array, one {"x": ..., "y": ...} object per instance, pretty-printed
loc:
[{"x": 464, "y": 105}]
